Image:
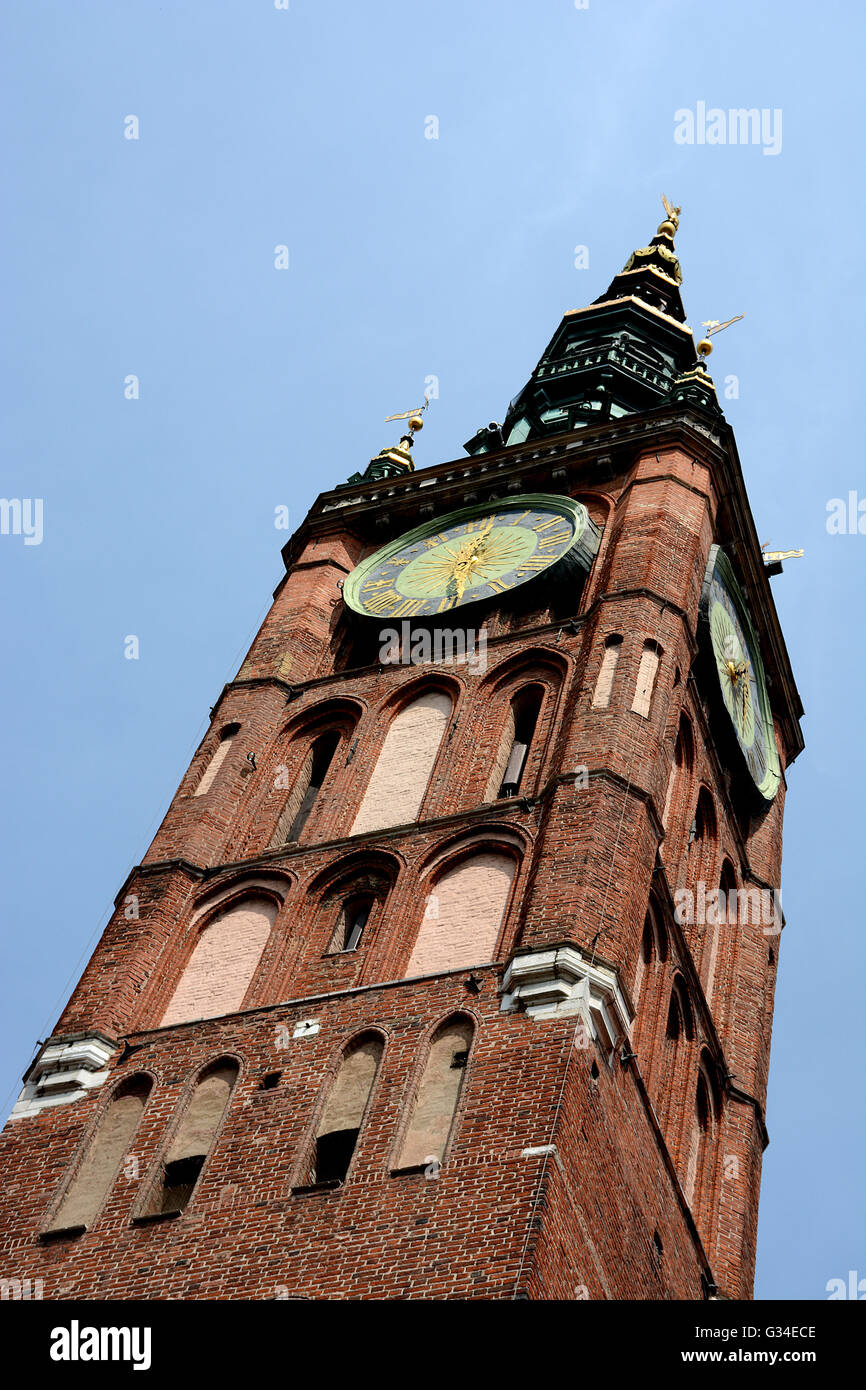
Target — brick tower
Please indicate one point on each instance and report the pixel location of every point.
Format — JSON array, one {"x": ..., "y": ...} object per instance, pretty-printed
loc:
[{"x": 435, "y": 981}]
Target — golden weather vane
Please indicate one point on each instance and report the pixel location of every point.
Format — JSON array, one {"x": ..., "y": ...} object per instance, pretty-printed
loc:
[
  {"x": 415, "y": 418},
  {"x": 712, "y": 326},
  {"x": 771, "y": 556}
]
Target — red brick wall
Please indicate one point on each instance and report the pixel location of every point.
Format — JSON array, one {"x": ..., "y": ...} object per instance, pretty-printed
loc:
[{"x": 588, "y": 848}]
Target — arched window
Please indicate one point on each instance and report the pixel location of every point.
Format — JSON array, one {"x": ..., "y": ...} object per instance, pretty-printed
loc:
[
  {"x": 703, "y": 827},
  {"x": 463, "y": 914},
  {"x": 646, "y": 675},
  {"x": 221, "y": 967},
  {"x": 654, "y": 948},
  {"x": 227, "y": 737},
  {"x": 514, "y": 745},
  {"x": 103, "y": 1156},
  {"x": 308, "y": 784},
  {"x": 341, "y": 1120},
  {"x": 680, "y": 772},
  {"x": 354, "y": 913},
  {"x": 188, "y": 1152},
  {"x": 701, "y": 856},
  {"x": 679, "y": 1022},
  {"x": 699, "y": 1176},
  {"x": 432, "y": 1122},
  {"x": 400, "y": 778},
  {"x": 604, "y": 680},
  {"x": 716, "y": 932}
]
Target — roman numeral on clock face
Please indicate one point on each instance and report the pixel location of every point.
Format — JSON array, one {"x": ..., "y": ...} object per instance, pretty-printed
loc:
[
  {"x": 383, "y": 603},
  {"x": 409, "y": 608}
]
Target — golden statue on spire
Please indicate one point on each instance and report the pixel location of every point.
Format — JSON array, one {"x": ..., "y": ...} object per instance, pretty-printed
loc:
[{"x": 672, "y": 220}]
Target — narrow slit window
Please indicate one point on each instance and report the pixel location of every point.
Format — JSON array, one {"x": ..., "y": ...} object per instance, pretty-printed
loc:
[
  {"x": 515, "y": 744},
  {"x": 679, "y": 1023},
  {"x": 351, "y": 923},
  {"x": 604, "y": 680},
  {"x": 305, "y": 792}
]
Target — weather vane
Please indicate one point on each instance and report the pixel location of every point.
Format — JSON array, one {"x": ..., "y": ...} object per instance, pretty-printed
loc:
[
  {"x": 712, "y": 326},
  {"x": 772, "y": 557},
  {"x": 415, "y": 418}
]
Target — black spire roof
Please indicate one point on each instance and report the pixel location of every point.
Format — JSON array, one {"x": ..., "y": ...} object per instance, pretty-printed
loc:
[{"x": 628, "y": 351}]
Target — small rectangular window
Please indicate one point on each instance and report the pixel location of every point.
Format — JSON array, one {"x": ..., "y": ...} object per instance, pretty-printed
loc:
[
  {"x": 180, "y": 1178},
  {"x": 334, "y": 1154}
]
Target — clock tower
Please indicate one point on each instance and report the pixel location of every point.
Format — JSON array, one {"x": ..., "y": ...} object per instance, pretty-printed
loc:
[{"x": 449, "y": 972}]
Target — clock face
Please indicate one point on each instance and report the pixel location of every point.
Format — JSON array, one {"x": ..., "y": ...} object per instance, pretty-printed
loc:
[
  {"x": 478, "y": 553},
  {"x": 739, "y": 671}
]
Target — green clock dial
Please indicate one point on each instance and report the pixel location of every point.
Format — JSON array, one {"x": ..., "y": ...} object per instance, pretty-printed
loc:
[
  {"x": 478, "y": 553},
  {"x": 735, "y": 659}
]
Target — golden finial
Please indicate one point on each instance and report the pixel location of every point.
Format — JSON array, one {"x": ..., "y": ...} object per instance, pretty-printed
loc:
[
  {"x": 672, "y": 220},
  {"x": 712, "y": 326}
]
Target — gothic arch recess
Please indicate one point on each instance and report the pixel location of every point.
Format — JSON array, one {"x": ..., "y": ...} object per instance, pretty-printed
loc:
[
  {"x": 101, "y": 1155},
  {"x": 509, "y": 731},
  {"x": 412, "y": 727},
  {"x": 226, "y": 942},
  {"x": 466, "y": 891},
  {"x": 363, "y": 883},
  {"x": 435, "y": 1101},
  {"x": 198, "y": 1122},
  {"x": 345, "y": 1096},
  {"x": 286, "y": 777}
]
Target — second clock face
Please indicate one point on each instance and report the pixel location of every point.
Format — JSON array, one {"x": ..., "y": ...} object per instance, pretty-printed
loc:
[
  {"x": 479, "y": 553},
  {"x": 740, "y": 672}
]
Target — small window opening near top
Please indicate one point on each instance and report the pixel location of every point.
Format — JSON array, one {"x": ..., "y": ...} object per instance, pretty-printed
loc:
[
  {"x": 351, "y": 923},
  {"x": 323, "y": 751},
  {"x": 180, "y": 1179},
  {"x": 525, "y": 715},
  {"x": 269, "y": 1081},
  {"x": 674, "y": 1023},
  {"x": 357, "y": 913},
  {"x": 333, "y": 1154}
]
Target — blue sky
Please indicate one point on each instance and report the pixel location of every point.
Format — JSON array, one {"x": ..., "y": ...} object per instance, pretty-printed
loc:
[{"x": 409, "y": 257}]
